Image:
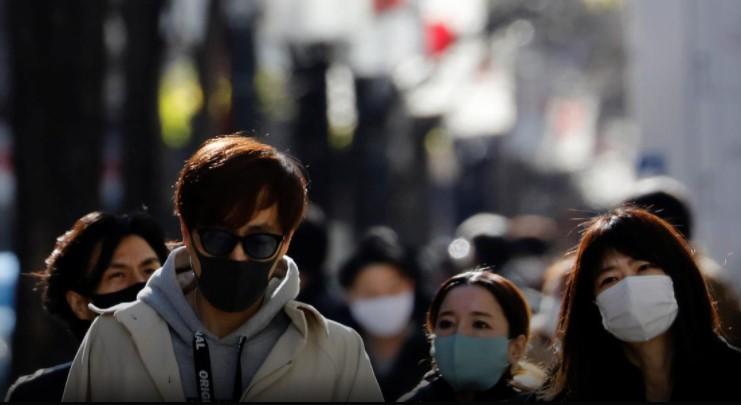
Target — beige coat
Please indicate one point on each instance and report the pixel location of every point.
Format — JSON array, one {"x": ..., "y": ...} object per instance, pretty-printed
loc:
[{"x": 127, "y": 355}]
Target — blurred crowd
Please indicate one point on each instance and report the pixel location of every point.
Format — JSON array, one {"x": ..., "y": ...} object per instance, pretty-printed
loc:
[
  {"x": 464, "y": 219},
  {"x": 495, "y": 312}
]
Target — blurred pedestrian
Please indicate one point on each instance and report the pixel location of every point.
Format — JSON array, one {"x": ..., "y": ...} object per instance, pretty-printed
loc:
[
  {"x": 103, "y": 260},
  {"x": 482, "y": 240},
  {"x": 479, "y": 326},
  {"x": 544, "y": 323},
  {"x": 637, "y": 322},
  {"x": 530, "y": 238},
  {"x": 219, "y": 321},
  {"x": 387, "y": 307},
  {"x": 309, "y": 249}
]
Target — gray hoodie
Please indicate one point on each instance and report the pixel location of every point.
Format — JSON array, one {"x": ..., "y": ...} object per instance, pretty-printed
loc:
[{"x": 165, "y": 293}]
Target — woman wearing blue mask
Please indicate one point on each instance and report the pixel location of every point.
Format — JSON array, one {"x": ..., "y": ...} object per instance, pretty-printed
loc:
[
  {"x": 478, "y": 323},
  {"x": 637, "y": 323}
]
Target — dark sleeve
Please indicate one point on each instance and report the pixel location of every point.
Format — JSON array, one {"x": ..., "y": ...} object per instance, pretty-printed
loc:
[
  {"x": 44, "y": 385},
  {"x": 434, "y": 390}
]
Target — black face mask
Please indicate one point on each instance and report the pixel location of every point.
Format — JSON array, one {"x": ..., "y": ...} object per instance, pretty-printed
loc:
[
  {"x": 230, "y": 285},
  {"x": 128, "y": 294}
]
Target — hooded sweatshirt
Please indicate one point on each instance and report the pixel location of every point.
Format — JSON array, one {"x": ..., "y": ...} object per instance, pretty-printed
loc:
[{"x": 166, "y": 293}]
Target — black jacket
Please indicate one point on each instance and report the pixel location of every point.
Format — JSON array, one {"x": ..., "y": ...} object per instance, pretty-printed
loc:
[
  {"x": 716, "y": 377},
  {"x": 434, "y": 388},
  {"x": 410, "y": 365},
  {"x": 45, "y": 385},
  {"x": 407, "y": 369}
]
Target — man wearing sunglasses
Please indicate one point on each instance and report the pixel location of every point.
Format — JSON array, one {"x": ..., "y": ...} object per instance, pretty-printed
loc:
[{"x": 219, "y": 320}]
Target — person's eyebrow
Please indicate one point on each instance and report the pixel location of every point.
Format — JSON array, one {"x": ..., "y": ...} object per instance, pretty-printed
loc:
[
  {"x": 606, "y": 268},
  {"x": 149, "y": 260},
  {"x": 262, "y": 228},
  {"x": 118, "y": 265},
  {"x": 445, "y": 313},
  {"x": 479, "y": 313}
]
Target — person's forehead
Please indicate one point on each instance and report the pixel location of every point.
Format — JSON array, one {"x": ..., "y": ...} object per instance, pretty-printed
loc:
[
  {"x": 469, "y": 298},
  {"x": 132, "y": 246},
  {"x": 263, "y": 219}
]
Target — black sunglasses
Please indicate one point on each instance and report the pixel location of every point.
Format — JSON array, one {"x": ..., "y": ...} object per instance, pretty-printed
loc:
[{"x": 220, "y": 242}]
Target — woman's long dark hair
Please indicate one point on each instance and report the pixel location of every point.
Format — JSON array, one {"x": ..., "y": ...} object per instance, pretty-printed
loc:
[{"x": 592, "y": 364}]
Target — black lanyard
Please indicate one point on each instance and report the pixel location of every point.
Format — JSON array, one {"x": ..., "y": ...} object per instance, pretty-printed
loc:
[{"x": 204, "y": 378}]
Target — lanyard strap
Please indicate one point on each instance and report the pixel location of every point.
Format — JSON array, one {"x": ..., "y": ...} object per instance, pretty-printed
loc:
[{"x": 204, "y": 378}]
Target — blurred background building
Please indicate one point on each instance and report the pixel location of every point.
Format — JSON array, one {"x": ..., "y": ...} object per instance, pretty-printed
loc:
[{"x": 416, "y": 114}]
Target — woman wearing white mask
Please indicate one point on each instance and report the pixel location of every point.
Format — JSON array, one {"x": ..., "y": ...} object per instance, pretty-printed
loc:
[
  {"x": 380, "y": 280},
  {"x": 637, "y": 323},
  {"x": 478, "y": 323}
]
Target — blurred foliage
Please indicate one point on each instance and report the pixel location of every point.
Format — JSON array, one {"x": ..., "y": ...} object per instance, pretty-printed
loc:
[{"x": 180, "y": 98}]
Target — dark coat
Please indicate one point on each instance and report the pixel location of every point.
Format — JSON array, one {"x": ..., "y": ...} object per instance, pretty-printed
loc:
[
  {"x": 434, "y": 388},
  {"x": 411, "y": 363},
  {"x": 408, "y": 368},
  {"x": 45, "y": 385},
  {"x": 717, "y": 377}
]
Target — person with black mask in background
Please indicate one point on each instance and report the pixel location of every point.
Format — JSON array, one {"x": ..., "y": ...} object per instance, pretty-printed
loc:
[
  {"x": 387, "y": 303},
  {"x": 219, "y": 320},
  {"x": 102, "y": 261}
]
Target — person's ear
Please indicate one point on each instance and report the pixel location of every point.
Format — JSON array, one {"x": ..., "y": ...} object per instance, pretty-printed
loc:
[
  {"x": 78, "y": 304},
  {"x": 516, "y": 349}
]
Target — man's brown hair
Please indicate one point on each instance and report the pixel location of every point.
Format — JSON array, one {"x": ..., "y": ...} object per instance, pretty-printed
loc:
[{"x": 230, "y": 177}]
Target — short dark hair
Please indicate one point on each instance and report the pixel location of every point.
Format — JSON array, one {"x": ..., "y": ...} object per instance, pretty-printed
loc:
[
  {"x": 70, "y": 265},
  {"x": 311, "y": 243},
  {"x": 508, "y": 296},
  {"x": 590, "y": 356},
  {"x": 666, "y": 198},
  {"x": 224, "y": 181},
  {"x": 379, "y": 244}
]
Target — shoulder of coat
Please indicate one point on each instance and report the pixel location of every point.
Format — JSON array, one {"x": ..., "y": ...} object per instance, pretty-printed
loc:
[{"x": 111, "y": 310}]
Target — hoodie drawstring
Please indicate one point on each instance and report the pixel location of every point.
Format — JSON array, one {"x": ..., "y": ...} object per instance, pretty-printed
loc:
[{"x": 237, "y": 393}]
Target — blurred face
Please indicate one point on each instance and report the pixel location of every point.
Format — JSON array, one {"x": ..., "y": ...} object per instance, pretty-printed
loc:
[
  {"x": 378, "y": 280},
  {"x": 616, "y": 266},
  {"x": 132, "y": 262},
  {"x": 471, "y": 310}
]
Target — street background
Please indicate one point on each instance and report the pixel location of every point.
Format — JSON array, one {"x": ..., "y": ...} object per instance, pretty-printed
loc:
[{"x": 415, "y": 114}]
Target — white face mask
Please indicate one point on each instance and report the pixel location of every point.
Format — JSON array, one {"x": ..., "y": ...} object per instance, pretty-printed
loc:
[
  {"x": 638, "y": 308},
  {"x": 384, "y": 316}
]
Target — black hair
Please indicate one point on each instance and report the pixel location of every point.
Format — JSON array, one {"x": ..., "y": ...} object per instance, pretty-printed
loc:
[
  {"x": 71, "y": 265},
  {"x": 310, "y": 243},
  {"x": 379, "y": 244},
  {"x": 591, "y": 360}
]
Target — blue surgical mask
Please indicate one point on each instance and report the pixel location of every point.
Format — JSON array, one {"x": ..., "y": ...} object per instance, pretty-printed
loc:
[{"x": 470, "y": 363}]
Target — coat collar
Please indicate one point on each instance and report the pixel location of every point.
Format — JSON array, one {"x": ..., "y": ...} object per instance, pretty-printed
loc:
[
  {"x": 305, "y": 321},
  {"x": 150, "y": 332},
  {"x": 152, "y": 339}
]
